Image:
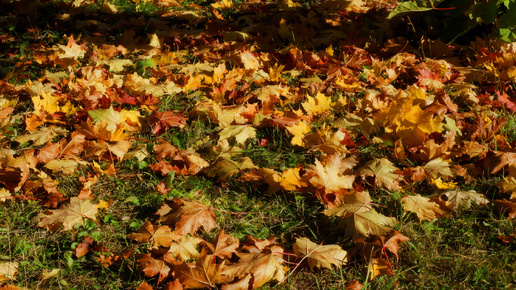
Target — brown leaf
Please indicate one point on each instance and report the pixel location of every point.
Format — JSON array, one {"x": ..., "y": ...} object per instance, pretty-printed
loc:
[
  {"x": 187, "y": 216},
  {"x": 354, "y": 285},
  {"x": 152, "y": 267},
  {"x": 506, "y": 206},
  {"x": 224, "y": 245},
  {"x": 160, "y": 236},
  {"x": 144, "y": 286},
  {"x": 206, "y": 273},
  {"x": 161, "y": 121}
]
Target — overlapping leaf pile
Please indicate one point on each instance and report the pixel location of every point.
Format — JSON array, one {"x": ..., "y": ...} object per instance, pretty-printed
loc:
[{"x": 436, "y": 120}]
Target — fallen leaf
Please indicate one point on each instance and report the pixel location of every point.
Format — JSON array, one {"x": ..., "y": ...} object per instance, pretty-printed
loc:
[
  {"x": 384, "y": 173},
  {"x": 187, "y": 216},
  {"x": 205, "y": 273},
  {"x": 8, "y": 271},
  {"x": 69, "y": 215},
  {"x": 152, "y": 267},
  {"x": 422, "y": 206},
  {"x": 318, "y": 255}
]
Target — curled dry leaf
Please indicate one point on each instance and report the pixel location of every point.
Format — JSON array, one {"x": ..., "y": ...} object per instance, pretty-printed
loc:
[{"x": 318, "y": 255}]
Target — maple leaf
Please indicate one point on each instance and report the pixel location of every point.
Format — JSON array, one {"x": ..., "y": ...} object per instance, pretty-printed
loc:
[
  {"x": 182, "y": 249},
  {"x": 460, "y": 199},
  {"x": 161, "y": 121},
  {"x": 438, "y": 167},
  {"x": 205, "y": 273},
  {"x": 4, "y": 194},
  {"x": 291, "y": 180},
  {"x": 187, "y": 216},
  {"x": 317, "y": 105},
  {"x": 356, "y": 202},
  {"x": 152, "y": 267},
  {"x": 106, "y": 150},
  {"x": 226, "y": 168},
  {"x": 87, "y": 246},
  {"x": 383, "y": 172},
  {"x": 318, "y": 255},
  {"x": 240, "y": 132},
  {"x": 69, "y": 215},
  {"x": 366, "y": 223},
  {"x": 160, "y": 236},
  {"x": 299, "y": 130},
  {"x": 42, "y": 136},
  {"x": 114, "y": 119},
  {"x": 329, "y": 176},
  {"x": 422, "y": 206},
  {"x": 66, "y": 166},
  {"x": 262, "y": 267},
  {"x": 380, "y": 267},
  {"x": 224, "y": 245},
  {"x": 443, "y": 185}
]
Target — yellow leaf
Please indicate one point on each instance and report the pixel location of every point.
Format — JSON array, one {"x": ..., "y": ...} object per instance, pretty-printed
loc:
[
  {"x": 240, "y": 132},
  {"x": 290, "y": 179},
  {"x": 66, "y": 166},
  {"x": 443, "y": 185},
  {"x": 46, "y": 102},
  {"x": 49, "y": 274},
  {"x": 317, "y": 105},
  {"x": 299, "y": 130},
  {"x": 250, "y": 61},
  {"x": 103, "y": 204}
]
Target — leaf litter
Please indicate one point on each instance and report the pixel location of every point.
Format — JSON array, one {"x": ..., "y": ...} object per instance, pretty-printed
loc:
[{"x": 305, "y": 73}]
